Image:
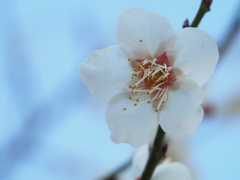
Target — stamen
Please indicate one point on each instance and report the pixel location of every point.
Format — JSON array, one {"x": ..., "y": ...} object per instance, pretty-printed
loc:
[
  {"x": 152, "y": 78},
  {"x": 162, "y": 99},
  {"x": 129, "y": 107}
]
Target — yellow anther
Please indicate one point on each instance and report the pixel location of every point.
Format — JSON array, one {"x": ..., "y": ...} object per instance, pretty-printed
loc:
[
  {"x": 140, "y": 40},
  {"x": 137, "y": 100},
  {"x": 129, "y": 86},
  {"x": 148, "y": 92},
  {"x": 149, "y": 102},
  {"x": 132, "y": 77},
  {"x": 129, "y": 59},
  {"x": 163, "y": 101},
  {"x": 135, "y": 104},
  {"x": 156, "y": 110},
  {"x": 170, "y": 159},
  {"x": 124, "y": 109},
  {"x": 130, "y": 97},
  {"x": 141, "y": 67}
]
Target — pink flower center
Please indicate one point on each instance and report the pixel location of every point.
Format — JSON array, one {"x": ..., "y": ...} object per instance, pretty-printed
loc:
[{"x": 151, "y": 78}]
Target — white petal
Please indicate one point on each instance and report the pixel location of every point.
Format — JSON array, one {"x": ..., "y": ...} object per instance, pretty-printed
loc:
[
  {"x": 194, "y": 52},
  {"x": 139, "y": 161},
  {"x": 137, "y": 24},
  {"x": 178, "y": 148},
  {"x": 182, "y": 113},
  {"x": 164, "y": 171},
  {"x": 133, "y": 126},
  {"x": 106, "y": 72},
  {"x": 171, "y": 171}
]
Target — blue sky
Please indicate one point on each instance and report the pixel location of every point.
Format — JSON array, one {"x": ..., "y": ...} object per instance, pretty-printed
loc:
[{"x": 50, "y": 125}]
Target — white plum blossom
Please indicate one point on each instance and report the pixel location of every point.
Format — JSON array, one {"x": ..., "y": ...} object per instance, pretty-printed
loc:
[
  {"x": 165, "y": 170},
  {"x": 154, "y": 76}
]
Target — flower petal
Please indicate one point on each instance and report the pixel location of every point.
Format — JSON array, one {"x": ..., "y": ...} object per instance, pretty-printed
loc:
[
  {"x": 137, "y": 24},
  {"x": 194, "y": 52},
  {"x": 164, "y": 171},
  {"x": 133, "y": 126},
  {"x": 182, "y": 113},
  {"x": 178, "y": 148},
  {"x": 139, "y": 161},
  {"x": 171, "y": 171},
  {"x": 106, "y": 72}
]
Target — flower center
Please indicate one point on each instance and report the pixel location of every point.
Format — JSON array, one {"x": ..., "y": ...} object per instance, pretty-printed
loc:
[{"x": 151, "y": 78}]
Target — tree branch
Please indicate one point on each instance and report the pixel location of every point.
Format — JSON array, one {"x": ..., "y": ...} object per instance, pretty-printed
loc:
[{"x": 157, "y": 154}]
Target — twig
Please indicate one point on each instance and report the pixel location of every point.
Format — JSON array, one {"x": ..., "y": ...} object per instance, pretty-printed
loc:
[
  {"x": 204, "y": 7},
  {"x": 157, "y": 154}
]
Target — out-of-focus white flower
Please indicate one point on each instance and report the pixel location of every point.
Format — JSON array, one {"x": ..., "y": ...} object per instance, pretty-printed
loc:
[
  {"x": 166, "y": 170},
  {"x": 153, "y": 77}
]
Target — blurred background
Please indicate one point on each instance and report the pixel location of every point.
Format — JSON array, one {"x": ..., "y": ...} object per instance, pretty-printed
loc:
[{"x": 52, "y": 128}]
